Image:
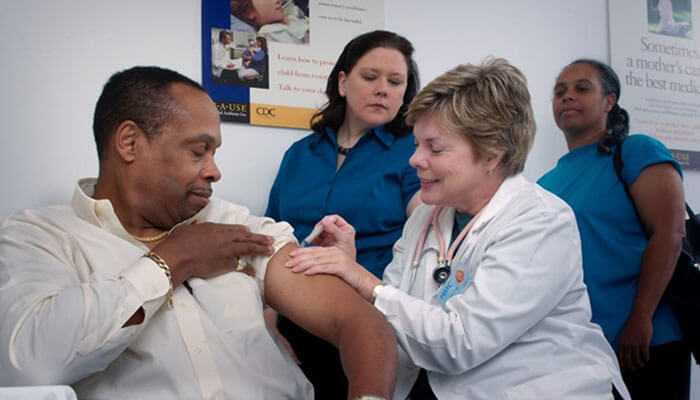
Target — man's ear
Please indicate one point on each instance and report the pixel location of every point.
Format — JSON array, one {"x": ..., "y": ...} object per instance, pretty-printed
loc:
[{"x": 125, "y": 140}]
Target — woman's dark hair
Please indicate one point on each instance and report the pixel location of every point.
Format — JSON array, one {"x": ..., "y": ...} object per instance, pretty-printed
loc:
[
  {"x": 618, "y": 123},
  {"x": 332, "y": 113}
]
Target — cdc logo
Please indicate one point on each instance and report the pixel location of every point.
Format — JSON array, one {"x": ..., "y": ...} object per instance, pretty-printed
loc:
[{"x": 265, "y": 111}]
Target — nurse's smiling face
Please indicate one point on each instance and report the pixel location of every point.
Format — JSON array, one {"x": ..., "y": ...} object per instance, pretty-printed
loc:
[{"x": 450, "y": 171}]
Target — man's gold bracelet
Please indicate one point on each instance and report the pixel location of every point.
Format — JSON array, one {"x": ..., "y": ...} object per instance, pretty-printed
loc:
[{"x": 166, "y": 269}]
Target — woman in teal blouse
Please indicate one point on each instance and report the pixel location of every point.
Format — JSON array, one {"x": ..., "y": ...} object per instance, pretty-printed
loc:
[
  {"x": 627, "y": 262},
  {"x": 355, "y": 164}
]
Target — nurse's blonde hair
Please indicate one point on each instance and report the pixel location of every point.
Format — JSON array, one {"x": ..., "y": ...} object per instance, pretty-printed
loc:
[{"x": 488, "y": 104}]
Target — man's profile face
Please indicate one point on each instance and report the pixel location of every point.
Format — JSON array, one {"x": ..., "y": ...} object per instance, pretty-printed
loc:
[{"x": 177, "y": 168}]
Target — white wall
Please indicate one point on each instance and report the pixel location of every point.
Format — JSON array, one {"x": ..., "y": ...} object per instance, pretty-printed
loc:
[{"x": 57, "y": 54}]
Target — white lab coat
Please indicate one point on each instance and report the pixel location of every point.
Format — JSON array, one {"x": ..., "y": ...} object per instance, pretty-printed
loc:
[{"x": 522, "y": 330}]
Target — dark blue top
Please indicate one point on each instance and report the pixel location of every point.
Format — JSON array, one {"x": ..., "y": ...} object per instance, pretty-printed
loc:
[
  {"x": 612, "y": 238},
  {"x": 370, "y": 190}
]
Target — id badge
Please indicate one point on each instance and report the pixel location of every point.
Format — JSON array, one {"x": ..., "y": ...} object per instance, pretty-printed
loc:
[{"x": 460, "y": 279}]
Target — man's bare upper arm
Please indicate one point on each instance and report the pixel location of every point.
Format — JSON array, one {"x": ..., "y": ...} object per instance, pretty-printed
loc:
[
  {"x": 330, "y": 309},
  {"x": 316, "y": 303}
]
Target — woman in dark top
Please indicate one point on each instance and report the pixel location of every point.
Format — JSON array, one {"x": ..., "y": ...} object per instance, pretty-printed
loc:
[{"x": 355, "y": 164}]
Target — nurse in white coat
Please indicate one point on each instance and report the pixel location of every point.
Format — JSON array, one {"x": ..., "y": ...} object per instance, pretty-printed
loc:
[{"x": 485, "y": 290}]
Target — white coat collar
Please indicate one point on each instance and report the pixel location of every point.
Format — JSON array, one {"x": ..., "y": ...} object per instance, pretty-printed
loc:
[
  {"x": 510, "y": 187},
  {"x": 505, "y": 193}
]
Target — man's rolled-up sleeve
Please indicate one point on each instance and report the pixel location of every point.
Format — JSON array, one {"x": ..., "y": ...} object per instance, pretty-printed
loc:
[{"x": 281, "y": 232}]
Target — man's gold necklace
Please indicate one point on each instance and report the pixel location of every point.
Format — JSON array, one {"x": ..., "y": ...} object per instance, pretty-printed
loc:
[{"x": 151, "y": 239}]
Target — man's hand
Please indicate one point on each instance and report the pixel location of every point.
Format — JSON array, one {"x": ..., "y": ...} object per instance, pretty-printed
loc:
[{"x": 206, "y": 250}]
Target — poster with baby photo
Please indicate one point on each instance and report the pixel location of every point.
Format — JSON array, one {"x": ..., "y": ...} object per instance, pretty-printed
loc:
[
  {"x": 266, "y": 62},
  {"x": 282, "y": 21},
  {"x": 654, "y": 51}
]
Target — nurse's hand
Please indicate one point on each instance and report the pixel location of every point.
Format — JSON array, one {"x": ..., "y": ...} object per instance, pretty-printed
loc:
[
  {"x": 634, "y": 342},
  {"x": 333, "y": 261},
  {"x": 337, "y": 232}
]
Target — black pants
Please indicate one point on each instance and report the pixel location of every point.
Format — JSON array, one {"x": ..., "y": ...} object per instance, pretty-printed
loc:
[
  {"x": 665, "y": 377},
  {"x": 421, "y": 389}
]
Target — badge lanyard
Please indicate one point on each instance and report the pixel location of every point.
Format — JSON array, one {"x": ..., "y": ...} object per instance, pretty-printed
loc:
[{"x": 445, "y": 258}]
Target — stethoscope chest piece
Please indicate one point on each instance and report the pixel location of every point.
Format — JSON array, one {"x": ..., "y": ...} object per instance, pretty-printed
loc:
[
  {"x": 441, "y": 274},
  {"x": 445, "y": 256}
]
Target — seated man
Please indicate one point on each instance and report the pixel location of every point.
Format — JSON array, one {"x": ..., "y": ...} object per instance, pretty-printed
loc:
[{"x": 145, "y": 287}]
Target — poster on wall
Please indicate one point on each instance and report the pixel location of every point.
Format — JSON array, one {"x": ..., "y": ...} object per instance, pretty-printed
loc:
[
  {"x": 266, "y": 62},
  {"x": 654, "y": 49}
]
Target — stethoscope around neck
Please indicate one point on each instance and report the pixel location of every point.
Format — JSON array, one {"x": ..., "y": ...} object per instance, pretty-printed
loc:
[{"x": 445, "y": 255}]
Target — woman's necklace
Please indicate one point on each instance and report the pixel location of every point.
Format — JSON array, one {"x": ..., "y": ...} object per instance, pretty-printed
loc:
[{"x": 343, "y": 150}]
